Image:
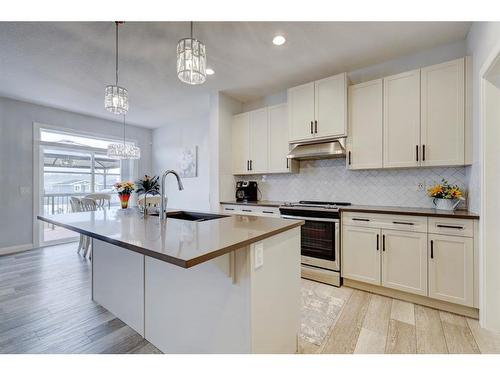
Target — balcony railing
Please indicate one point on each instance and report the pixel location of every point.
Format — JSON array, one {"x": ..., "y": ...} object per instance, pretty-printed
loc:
[{"x": 59, "y": 203}]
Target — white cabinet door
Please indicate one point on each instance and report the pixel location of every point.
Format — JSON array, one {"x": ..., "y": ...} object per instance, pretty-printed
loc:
[
  {"x": 259, "y": 148},
  {"x": 330, "y": 103},
  {"x": 451, "y": 269},
  {"x": 361, "y": 254},
  {"x": 402, "y": 120},
  {"x": 240, "y": 143},
  {"x": 404, "y": 261},
  {"x": 301, "y": 112},
  {"x": 442, "y": 112},
  {"x": 364, "y": 150},
  {"x": 278, "y": 139}
]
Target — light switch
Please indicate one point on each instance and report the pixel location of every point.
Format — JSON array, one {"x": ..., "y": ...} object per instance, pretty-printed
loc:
[{"x": 259, "y": 255}]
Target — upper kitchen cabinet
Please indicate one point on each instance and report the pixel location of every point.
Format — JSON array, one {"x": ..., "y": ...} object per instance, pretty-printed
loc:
[
  {"x": 402, "y": 120},
  {"x": 364, "y": 144},
  {"x": 330, "y": 106},
  {"x": 318, "y": 110},
  {"x": 240, "y": 144},
  {"x": 424, "y": 119},
  {"x": 249, "y": 142},
  {"x": 443, "y": 114},
  {"x": 278, "y": 140},
  {"x": 301, "y": 112},
  {"x": 260, "y": 142}
]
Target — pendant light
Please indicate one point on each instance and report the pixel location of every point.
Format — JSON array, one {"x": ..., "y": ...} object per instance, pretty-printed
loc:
[
  {"x": 123, "y": 150},
  {"x": 191, "y": 60},
  {"x": 116, "y": 97}
]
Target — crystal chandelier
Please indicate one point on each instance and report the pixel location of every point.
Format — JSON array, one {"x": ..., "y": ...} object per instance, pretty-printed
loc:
[
  {"x": 123, "y": 150},
  {"x": 116, "y": 97},
  {"x": 191, "y": 60}
]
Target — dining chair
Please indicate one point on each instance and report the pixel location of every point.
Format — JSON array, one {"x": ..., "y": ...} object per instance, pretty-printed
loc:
[
  {"x": 75, "y": 205},
  {"x": 101, "y": 199},
  {"x": 87, "y": 204}
]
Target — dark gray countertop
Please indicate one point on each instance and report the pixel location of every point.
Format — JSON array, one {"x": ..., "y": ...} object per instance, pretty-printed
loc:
[
  {"x": 414, "y": 211},
  {"x": 457, "y": 214},
  {"x": 180, "y": 242},
  {"x": 256, "y": 203}
]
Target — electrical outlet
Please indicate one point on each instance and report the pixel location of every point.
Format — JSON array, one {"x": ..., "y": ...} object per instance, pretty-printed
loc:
[
  {"x": 421, "y": 186},
  {"x": 259, "y": 255}
]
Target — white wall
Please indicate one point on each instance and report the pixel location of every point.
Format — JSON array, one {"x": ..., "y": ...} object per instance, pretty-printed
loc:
[
  {"x": 16, "y": 159},
  {"x": 483, "y": 44},
  {"x": 168, "y": 142},
  {"x": 222, "y": 109},
  {"x": 482, "y": 38}
]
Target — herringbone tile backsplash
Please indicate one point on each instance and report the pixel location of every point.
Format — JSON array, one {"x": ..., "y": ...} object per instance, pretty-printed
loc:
[{"x": 330, "y": 180}]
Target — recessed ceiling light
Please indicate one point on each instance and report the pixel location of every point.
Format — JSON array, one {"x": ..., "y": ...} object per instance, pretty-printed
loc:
[
  {"x": 279, "y": 40},
  {"x": 210, "y": 71}
]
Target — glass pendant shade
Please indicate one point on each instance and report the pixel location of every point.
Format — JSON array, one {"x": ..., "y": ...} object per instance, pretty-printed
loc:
[
  {"x": 123, "y": 151},
  {"x": 116, "y": 99},
  {"x": 191, "y": 61}
]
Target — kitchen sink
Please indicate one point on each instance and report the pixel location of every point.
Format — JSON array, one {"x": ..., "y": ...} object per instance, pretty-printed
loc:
[{"x": 192, "y": 216}]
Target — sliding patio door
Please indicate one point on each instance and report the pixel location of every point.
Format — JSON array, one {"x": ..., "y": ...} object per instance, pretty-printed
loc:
[{"x": 73, "y": 166}]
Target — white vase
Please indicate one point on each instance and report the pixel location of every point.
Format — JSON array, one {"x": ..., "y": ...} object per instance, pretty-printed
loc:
[{"x": 445, "y": 204}]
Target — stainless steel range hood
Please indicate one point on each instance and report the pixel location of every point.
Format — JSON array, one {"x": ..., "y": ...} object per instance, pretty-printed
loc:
[{"x": 312, "y": 151}]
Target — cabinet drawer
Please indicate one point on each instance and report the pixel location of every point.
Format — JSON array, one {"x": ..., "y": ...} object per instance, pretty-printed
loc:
[
  {"x": 269, "y": 211},
  {"x": 230, "y": 208},
  {"x": 251, "y": 210},
  {"x": 396, "y": 222},
  {"x": 451, "y": 227}
]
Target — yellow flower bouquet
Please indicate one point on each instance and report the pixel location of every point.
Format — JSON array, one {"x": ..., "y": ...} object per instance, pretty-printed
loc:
[{"x": 446, "y": 196}]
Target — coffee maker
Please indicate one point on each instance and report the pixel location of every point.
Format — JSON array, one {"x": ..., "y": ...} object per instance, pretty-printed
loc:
[{"x": 246, "y": 191}]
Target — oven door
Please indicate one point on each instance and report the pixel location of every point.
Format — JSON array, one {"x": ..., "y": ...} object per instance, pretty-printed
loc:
[{"x": 319, "y": 242}]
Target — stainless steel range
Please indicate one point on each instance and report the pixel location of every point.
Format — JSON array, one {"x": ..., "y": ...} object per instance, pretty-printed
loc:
[{"x": 320, "y": 238}]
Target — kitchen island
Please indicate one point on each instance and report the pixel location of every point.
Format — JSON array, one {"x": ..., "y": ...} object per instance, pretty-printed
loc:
[{"x": 197, "y": 283}]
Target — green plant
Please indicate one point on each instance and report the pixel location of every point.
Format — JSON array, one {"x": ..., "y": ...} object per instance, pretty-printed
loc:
[{"x": 148, "y": 184}]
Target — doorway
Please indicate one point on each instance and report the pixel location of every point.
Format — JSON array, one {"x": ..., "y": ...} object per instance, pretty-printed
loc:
[{"x": 71, "y": 165}]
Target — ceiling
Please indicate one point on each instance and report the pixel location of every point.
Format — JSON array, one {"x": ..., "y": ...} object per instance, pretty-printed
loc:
[{"x": 67, "y": 64}]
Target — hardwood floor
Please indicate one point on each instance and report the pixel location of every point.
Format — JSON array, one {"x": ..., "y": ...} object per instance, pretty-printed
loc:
[
  {"x": 369, "y": 323},
  {"x": 45, "y": 307}
]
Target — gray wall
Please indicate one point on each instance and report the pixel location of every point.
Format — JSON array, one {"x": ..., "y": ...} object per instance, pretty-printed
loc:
[
  {"x": 428, "y": 57},
  {"x": 16, "y": 159},
  {"x": 483, "y": 36}
]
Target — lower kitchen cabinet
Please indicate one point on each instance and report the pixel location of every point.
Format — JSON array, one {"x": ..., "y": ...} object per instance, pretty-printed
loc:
[
  {"x": 361, "y": 254},
  {"x": 404, "y": 261},
  {"x": 432, "y": 258},
  {"x": 451, "y": 269}
]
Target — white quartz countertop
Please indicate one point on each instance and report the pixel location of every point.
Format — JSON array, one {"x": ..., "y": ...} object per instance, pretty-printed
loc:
[{"x": 180, "y": 242}]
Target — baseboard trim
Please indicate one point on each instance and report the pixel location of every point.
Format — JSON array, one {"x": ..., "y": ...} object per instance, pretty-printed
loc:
[
  {"x": 467, "y": 311},
  {"x": 15, "y": 249}
]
